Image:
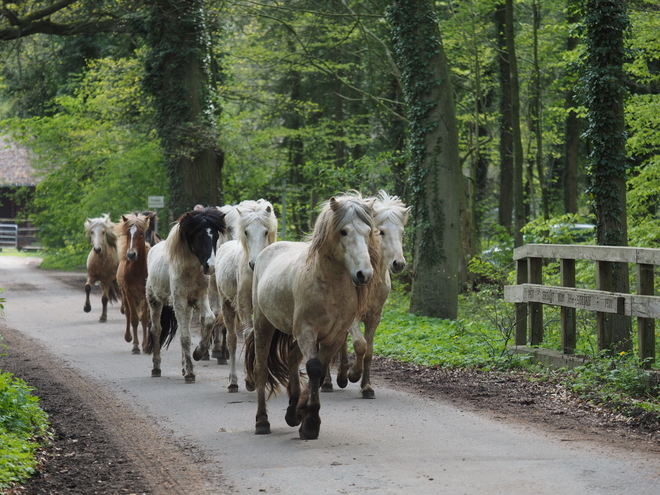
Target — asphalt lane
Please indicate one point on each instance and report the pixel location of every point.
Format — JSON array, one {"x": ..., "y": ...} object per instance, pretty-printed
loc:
[{"x": 396, "y": 444}]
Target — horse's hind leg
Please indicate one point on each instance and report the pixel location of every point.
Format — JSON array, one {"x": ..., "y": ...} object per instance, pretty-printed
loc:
[
  {"x": 370, "y": 326},
  {"x": 360, "y": 347},
  {"x": 263, "y": 335},
  {"x": 88, "y": 289},
  {"x": 293, "y": 417}
]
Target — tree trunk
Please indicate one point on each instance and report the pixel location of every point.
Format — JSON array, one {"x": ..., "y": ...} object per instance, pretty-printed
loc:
[
  {"x": 606, "y": 22},
  {"x": 505, "y": 214},
  {"x": 179, "y": 80},
  {"x": 571, "y": 153},
  {"x": 435, "y": 178},
  {"x": 536, "y": 113},
  {"x": 518, "y": 194}
]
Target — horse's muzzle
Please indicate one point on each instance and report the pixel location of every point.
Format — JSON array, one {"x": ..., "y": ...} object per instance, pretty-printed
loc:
[
  {"x": 362, "y": 278},
  {"x": 97, "y": 250},
  {"x": 131, "y": 256},
  {"x": 397, "y": 266}
]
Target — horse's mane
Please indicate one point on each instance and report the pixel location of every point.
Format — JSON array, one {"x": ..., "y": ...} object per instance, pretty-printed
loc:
[
  {"x": 104, "y": 220},
  {"x": 335, "y": 213},
  {"x": 249, "y": 211},
  {"x": 187, "y": 226},
  {"x": 391, "y": 207}
]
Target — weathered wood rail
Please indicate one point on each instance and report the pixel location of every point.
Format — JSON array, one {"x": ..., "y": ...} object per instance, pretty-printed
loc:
[{"x": 530, "y": 294}]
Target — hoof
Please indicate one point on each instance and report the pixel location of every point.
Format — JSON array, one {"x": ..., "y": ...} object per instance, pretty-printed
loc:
[
  {"x": 291, "y": 417},
  {"x": 190, "y": 378},
  {"x": 326, "y": 387},
  {"x": 354, "y": 377},
  {"x": 309, "y": 430},
  {"x": 155, "y": 373},
  {"x": 136, "y": 350},
  {"x": 262, "y": 429},
  {"x": 205, "y": 356},
  {"x": 103, "y": 319},
  {"x": 198, "y": 354},
  {"x": 87, "y": 308},
  {"x": 216, "y": 354},
  {"x": 221, "y": 360},
  {"x": 249, "y": 386},
  {"x": 368, "y": 393},
  {"x": 342, "y": 382},
  {"x": 233, "y": 388},
  {"x": 128, "y": 337}
]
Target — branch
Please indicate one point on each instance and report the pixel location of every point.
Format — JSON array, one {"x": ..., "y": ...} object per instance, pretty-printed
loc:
[{"x": 48, "y": 27}]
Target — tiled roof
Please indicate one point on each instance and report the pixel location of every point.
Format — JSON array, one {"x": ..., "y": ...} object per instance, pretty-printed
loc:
[{"x": 15, "y": 168}]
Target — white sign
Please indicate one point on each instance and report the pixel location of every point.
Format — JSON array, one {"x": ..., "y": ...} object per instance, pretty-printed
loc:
[{"x": 155, "y": 201}]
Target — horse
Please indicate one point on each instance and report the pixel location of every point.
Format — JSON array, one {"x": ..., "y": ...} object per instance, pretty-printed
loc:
[
  {"x": 305, "y": 297},
  {"x": 255, "y": 227},
  {"x": 390, "y": 217},
  {"x": 102, "y": 262},
  {"x": 178, "y": 279},
  {"x": 132, "y": 276},
  {"x": 150, "y": 235}
]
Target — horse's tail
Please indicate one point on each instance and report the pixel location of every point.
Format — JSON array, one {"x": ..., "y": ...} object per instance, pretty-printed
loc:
[
  {"x": 168, "y": 325},
  {"x": 114, "y": 294},
  {"x": 278, "y": 367}
]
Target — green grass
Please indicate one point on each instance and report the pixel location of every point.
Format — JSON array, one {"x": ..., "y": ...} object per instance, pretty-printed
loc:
[{"x": 23, "y": 429}]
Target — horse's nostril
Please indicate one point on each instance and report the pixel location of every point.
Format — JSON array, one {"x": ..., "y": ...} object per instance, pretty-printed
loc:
[
  {"x": 251, "y": 265},
  {"x": 97, "y": 250}
]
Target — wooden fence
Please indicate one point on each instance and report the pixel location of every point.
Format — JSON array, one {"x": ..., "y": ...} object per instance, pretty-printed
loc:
[{"x": 530, "y": 294}]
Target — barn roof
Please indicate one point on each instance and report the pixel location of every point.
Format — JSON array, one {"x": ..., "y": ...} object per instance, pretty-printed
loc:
[{"x": 15, "y": 168}]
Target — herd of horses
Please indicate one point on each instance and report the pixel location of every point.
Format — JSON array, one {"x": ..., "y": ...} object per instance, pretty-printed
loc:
[{"x": 293, "y": 302}]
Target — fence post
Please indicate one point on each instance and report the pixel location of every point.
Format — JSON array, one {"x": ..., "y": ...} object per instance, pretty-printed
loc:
[
  {"x": 521, "y": 308},
  {"x": 603, "y": 320},
  {"x": 535, "y": 308},
  {"x": 568, "y": 334},
  {"x": 645, "y": 326}
]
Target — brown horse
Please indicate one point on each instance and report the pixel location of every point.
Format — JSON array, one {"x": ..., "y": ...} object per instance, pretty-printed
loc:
[
  {"x": 132, "y": 276},
  {"x": 102, "y": 262}
]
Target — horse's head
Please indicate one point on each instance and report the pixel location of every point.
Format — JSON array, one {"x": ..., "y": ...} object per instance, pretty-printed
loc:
[
  {"x": 256, "y": 227},
  {"x": 200, "y": 230},
  {"x": 345, "y": 231},
  {"x": 134, "y": 227},
  {"x": 391, "y": 216},
  {"x": 100, "y": 231}
]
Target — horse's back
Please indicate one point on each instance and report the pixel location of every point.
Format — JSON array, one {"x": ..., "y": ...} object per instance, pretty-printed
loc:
[{"x": 227, "y": 259}]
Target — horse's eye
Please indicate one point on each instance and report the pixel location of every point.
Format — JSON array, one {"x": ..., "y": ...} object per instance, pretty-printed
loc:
[
  {"x": 246, "y": 233},
  {"x": 266, "y": 234},
  {"x": 343, "y": 232},
  {"x": 382, "y": 232}
]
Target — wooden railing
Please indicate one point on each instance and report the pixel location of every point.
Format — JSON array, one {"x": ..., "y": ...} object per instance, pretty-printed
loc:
[{"x": 530, "y": 294}]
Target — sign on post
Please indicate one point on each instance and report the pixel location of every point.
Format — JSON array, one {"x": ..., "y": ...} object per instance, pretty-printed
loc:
[{"x": 155, "y": 201}]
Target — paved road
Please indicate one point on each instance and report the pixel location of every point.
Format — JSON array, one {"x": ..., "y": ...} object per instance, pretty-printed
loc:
[{"x": 396, "y": 444}]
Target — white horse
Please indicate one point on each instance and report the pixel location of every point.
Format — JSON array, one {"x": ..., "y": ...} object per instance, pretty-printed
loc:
[
  {"x": 255, "y": 227},
  {"x": 310, "y": 293},
  {"x": 390, "y": 217},
  {"x": 178, "y": 277},
  {"x": 102, "y": 262}
]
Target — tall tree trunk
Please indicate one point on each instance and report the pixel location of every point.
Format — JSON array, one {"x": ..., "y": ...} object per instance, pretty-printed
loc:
[
  {"x": 178, "y": 78},
  {"x": 435, "y": 176},
  {"x": 505, "y": 214},
  {"x": 518, "y": 194},
  {"x": 536, "y": 114},
  {"x": 606, "y": 22},
  {"x": 571, "y": 153}
]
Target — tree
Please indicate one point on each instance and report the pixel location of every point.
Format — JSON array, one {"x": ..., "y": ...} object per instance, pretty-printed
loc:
[
  {"x": 435, "y": 181},
  {"x": 606, "y": 22}
]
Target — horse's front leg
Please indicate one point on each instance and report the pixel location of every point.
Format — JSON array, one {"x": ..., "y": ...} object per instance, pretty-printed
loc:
[
  {"x": 263, "y": 335},
  {"x": 155, "y": 309},
  {"x": 183, "y": 312},
  {"x": 207, "y": 320},
  {"x": 370, "y": 325},
  {"x": 132, "y": 309},
  {"x": 144, "y": 321},
  {"x": 310, "y": 402},
  {"x": 104, "y": 304},
  {"x": 220, "y": 351},
  {"x": 360, "y": 348},
  {"x": 88, "y": 289}
]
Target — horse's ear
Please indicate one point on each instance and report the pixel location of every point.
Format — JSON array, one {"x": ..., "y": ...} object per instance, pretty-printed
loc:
[
  {"x": 334, "y": 204},
  {"x": 123, "y": 217},
  {"x": 370, "y": 204},
  {"x": 406, "y": 213},
  {"x": 269, "y": 209}
]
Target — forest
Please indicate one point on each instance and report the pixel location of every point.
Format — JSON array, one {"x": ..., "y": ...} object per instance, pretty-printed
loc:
[{"x": 499, "y": 122}]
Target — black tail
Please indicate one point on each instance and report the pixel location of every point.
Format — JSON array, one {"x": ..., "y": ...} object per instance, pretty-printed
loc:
[
  {"x": 278, "y": 367},
  {"x": 169, "y": 327}
]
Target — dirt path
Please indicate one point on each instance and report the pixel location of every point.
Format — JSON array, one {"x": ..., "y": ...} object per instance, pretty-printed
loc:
[{"x": 111, "y": 437}]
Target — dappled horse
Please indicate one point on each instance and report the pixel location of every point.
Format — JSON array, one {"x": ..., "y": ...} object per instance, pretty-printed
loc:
[
  {"x": 102, "y": 262},
  {"x": 255, "y": 227},
  {"x": 390, "y": 218},
  {"x": 178, "y": 278},
  {"x": 305, "y": 297},
  {"x": 132, "y": 276}
]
